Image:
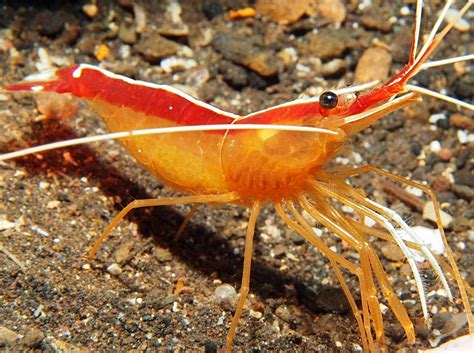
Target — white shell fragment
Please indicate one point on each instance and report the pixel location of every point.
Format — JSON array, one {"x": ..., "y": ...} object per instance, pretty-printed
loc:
[
  {"x": 429, "y": 237},
  {"x": 174, "y": 64},
  {"x": 114, "y": 269},
  {"x": 430, "y": 214},
  {"x": 461, "y": 25},
  {"x": 463, "y": 344},
  {"x": 435, "y": 146}
]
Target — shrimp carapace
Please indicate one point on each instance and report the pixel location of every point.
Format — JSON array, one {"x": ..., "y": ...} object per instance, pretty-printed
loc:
[{"x": 287, "y": 166}]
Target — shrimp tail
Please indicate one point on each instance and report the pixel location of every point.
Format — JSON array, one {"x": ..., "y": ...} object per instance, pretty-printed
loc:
[{"x": 54, "y": 80}]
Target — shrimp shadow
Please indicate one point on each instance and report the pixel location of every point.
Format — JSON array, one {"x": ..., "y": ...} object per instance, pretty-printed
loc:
[{"x": 161, "y": 223}]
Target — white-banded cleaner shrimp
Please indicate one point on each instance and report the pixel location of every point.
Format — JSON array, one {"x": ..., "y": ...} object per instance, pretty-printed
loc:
[{"x": 353, "y": 117}]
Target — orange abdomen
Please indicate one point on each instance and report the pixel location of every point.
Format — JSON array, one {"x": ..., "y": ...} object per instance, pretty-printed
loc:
[{"x": 187, "y": 161}]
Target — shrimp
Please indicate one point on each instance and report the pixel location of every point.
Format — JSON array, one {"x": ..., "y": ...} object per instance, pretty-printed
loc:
[{"x": 276, "y": 156}]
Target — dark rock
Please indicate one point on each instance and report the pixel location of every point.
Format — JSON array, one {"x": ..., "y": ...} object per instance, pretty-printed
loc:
[
  {"x": 462, "y": 158},
  {"x": 48, "y": 23},
  {"x": 443, "y": 124},
  {"x": 394, "y": 330},
  {"x": 326, "y": 44},
  {"x": 154, "y": 47},
  {"x": 259, "y": 82},
  {"x": 213, "y": 8},
  {"x": 234, "y": 75},
  {"x": 463, "y": 191},
  {"x": 464, "y": 177},
  {"x": 464, "y": 88},
  {"x": 440, "y": 320},
  {"x": 239, "y": 49},
  {"x": 210, "y": 347},
  {"x": 327, "y": 300},
  {"x": 415, "y": 148},
  {"x": 469, "y": 214}
]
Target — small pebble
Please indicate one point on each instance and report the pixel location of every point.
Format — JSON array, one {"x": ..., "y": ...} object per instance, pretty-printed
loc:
[
  {"x": 289, "y": 55},
  {"x": 225, "y": 292},
  {"x": 53, "y": 204},
  {"x": 441, "y": 184},
  {"x": 255, "y": 314},
  {"x": 333, "y": 68},
  {"x": 462, "y": 121},
  {"x": 5, "y": 224},
  {"x": 445, "y": 154},
  {"x": 383, "y": 308},
  {"x": 43, "y": 185},
  {"x": 414, "y": 191},
  {"x": 435, "y": 146},
  {"x": 462, "y": 136},
  {"x": 114, "y": 269},
  {"x": 374, "y": 64},
  {"x": 285, "y": 313},
  {"x": 283, "y": 11},
  {"x": 435, "y": 117},
  {"x": 392, "y": 252},
  {"x": 334, "y": 10},
  {"x": 90, "y": 10},
  {"x": 405, "y": 11},
  {"x": 86, "y": 267}
]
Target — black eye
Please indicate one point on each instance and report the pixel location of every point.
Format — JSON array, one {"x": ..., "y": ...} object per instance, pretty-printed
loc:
[{"x": 328, "y": 100}]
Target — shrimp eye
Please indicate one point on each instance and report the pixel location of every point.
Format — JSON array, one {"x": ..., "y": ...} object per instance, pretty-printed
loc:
[{"x": 328, "y": 100}]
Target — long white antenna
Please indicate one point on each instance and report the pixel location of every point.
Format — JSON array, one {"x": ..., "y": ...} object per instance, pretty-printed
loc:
[
  {"x": 448, "y": 61},
  {"x": 416, "y": 37},
  {"x": 163, "y": 130},
  {"x": 435, "y": 29},
  {"x": 438, "y": 95}
]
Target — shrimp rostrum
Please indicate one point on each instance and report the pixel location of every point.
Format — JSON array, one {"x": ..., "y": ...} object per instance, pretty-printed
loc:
[{"x": 276, "y": 156}]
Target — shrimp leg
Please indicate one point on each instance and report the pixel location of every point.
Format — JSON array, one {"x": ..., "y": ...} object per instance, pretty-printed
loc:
[
  {"x": 305, "y": 230},
  {"x": 157, "y": 202},
  {"x": 244, "y": 288},
  {"x": 369, "y": 168},
  {"x": 185, "y": 222}
]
